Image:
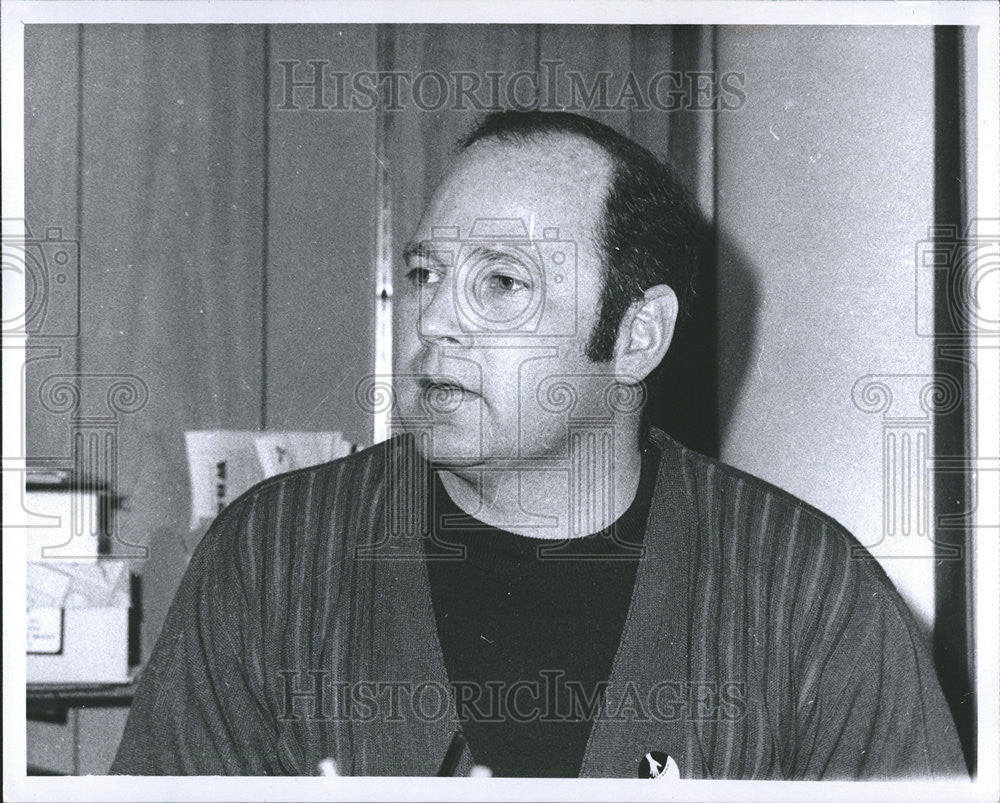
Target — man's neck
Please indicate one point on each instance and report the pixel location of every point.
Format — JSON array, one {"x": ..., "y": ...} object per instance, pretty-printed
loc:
[{"x": 581, "y": 494}]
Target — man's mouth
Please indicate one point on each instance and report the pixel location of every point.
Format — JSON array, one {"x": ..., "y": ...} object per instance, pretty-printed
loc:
[{"x": 443, "y": 394}]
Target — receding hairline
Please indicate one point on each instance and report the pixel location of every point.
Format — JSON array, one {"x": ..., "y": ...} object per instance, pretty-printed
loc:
[
  {"x": 604, "y": 166},
  {"x": 521, "y": 139},
  {"x": 605, "y": 162}
]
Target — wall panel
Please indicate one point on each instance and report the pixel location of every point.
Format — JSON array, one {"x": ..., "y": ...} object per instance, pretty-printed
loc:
[{"x": 825, "y": 188}]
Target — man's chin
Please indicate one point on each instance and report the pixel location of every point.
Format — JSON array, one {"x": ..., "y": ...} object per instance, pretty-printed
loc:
[
  {"x": 447, "y": 445},
  {"x": 454, "y": 453}
]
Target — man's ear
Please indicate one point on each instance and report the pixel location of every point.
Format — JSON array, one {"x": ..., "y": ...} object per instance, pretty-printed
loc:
[{"x": 645, "y": 334}]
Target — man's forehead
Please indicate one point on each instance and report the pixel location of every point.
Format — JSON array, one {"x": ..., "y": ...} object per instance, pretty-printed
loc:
[{"x": 560, "y": 178}]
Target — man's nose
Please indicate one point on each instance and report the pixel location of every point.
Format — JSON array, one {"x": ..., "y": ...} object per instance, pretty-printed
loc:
[{"x": 439, "y": 315}]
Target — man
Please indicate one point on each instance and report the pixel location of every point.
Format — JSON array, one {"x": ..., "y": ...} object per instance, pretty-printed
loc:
[{"x": 529, "y": 565}]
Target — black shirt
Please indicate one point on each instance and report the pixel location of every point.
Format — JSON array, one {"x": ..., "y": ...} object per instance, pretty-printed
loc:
[{"x": 529, "y": 628}]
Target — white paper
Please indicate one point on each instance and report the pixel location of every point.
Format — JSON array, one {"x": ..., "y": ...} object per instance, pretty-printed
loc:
[
  {"x": 45, "y": 630},
  {"x": 223, "y": 464},
  {"x": 67, "y": 584},
  {"x": 279, "y": 452}
]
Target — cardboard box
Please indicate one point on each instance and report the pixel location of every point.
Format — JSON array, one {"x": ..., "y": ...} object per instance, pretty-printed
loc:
[
  {"x": 63, "y": 524},
  {"x": 93, "y": 646}
]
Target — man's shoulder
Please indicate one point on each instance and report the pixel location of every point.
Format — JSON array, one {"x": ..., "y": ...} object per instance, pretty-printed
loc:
[
  {"x": 309, "y": 520},
  {"x": 713, "y": 481},
  {"x": 750, "y": 514},
  {"x": 299, "y": 505},
  {"x": 806, "y": 563},
  {"x": 365, "y": 467}
]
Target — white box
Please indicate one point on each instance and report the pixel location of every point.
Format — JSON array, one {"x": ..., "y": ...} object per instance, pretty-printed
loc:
[
  {"x": 94, "y": 649},
  {"x": 62, "y": 524}
]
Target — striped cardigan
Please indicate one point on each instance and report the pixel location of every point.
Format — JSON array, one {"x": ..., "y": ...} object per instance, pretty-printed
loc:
[{"x": 762, "y": 641}]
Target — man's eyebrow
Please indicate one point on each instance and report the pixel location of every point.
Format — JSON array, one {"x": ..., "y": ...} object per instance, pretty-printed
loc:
[
  {"x": 444, "y": 256},
  {"x": 491, "y": 255},
  {"x": 422, "y": 250}
]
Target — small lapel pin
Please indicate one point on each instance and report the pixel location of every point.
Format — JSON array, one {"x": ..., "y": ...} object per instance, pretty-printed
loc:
[{"x": 656, "y": 764}]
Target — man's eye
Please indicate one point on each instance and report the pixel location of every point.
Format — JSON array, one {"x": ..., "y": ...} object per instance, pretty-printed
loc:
[
  {"x": 506, "y": 283},
  {"x": 420, "y": 277}
]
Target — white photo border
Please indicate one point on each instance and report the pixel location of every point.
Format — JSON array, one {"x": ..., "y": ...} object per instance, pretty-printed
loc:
[{"x": 17, "y": 15}]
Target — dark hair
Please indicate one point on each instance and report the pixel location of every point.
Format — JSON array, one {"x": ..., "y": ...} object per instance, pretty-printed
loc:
[{"x": 651, "y": 232}]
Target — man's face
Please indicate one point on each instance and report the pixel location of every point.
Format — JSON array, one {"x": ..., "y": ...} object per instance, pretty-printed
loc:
[{"x": 497, "y": 299}]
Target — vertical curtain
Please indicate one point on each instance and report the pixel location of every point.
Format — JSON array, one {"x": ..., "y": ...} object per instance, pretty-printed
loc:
[
  {"x": 52, "y": 213},
  {"x": 320, "y": 219},
  {"x": 144, "y": 146}
]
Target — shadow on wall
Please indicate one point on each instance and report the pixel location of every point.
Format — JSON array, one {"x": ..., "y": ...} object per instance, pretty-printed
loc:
[{"x": 697, "y": 395}]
